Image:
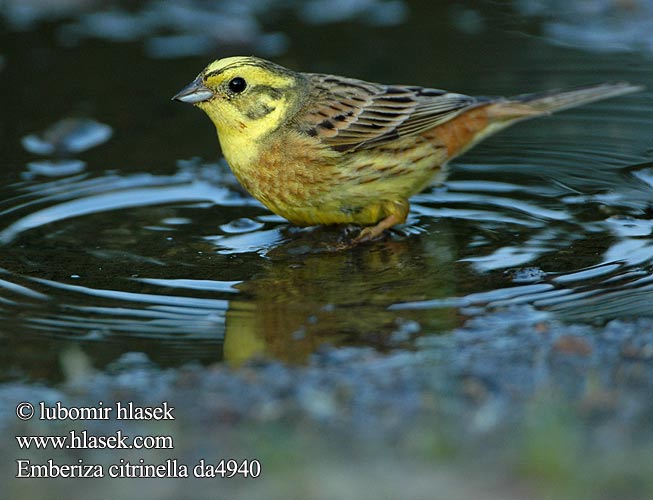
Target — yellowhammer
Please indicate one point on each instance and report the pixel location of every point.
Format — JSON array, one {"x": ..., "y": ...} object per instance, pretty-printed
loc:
[{"x": 325, "y": 149}]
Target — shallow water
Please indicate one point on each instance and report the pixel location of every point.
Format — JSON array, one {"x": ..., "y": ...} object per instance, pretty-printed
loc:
[{"x": 129, "y": 233}]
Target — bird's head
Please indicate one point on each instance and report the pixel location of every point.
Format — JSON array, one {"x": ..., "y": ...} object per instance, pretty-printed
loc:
[{"x": 245, "y": 95}]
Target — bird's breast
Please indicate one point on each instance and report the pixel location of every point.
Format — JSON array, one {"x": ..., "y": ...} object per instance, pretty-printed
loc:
[{"x": 285, "y": 170}]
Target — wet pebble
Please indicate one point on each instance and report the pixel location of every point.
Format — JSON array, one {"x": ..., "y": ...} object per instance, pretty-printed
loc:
[
  {"x": 597, "y": 25},
  {"x": 180, "y": 28},
  {"x": 405, "y": 331},
  {"x": 68, "y": 136},
  {"x": 572, "y": 345},
  {"x": 114, "y": 25},
  {"x": 468, "y": 21},
  {"x": 129, "y": 361},
  {"x": 242, "y": 225},
  {"x": 375, "y": 12},
  {"x": 525, "y": 274},
  {"x": 639, "y": 350}
]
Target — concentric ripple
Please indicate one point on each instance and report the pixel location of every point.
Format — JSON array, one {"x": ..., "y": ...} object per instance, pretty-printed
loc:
[{"x": 110, "y": 246}]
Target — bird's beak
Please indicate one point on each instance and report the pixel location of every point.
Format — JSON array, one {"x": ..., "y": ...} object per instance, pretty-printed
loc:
[{"x": 194, "y": 92}]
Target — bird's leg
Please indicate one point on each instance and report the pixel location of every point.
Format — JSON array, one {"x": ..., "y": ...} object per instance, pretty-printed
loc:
[
  {"x": 398, "y": 211},
  {"x": 372, "y": 232}
]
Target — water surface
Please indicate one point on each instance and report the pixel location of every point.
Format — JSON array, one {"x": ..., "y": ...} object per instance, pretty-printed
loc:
[{"x": 122, "y": 228}]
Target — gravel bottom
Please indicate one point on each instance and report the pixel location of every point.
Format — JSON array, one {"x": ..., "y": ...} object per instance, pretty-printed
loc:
[{"x": 512, "y": 405}]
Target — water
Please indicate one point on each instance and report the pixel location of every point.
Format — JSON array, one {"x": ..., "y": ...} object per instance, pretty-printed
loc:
[{"x": 128, "y": 232}]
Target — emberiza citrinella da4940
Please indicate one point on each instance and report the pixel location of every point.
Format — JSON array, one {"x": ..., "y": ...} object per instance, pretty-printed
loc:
[{"x": 325, "y": 149}]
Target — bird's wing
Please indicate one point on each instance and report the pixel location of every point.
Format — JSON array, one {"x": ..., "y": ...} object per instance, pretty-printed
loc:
[{"x": 350, "y": 114}]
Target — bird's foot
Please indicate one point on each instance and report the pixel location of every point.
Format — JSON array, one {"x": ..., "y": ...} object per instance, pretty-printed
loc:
[{"x": 365, "y": 235}]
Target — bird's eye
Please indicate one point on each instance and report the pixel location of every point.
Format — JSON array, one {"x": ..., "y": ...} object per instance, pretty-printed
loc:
[{"x": 237, "y": 85}]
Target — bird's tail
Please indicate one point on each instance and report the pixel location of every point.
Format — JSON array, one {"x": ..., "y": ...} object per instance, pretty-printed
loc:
[
  {"x": 556, "y": 100},
  {"x": 493, "y": 115},
  {"x": 529, "y": 105}
]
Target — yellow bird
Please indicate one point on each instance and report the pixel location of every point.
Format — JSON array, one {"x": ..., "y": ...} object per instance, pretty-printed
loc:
[{"x": 325, "y": 149}]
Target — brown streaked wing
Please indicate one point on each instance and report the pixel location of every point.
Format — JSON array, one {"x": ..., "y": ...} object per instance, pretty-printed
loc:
[{"x": 351, "y": 114}]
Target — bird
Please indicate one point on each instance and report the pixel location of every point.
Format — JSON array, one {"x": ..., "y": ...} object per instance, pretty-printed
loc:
[{"x": 321, "y": 149}]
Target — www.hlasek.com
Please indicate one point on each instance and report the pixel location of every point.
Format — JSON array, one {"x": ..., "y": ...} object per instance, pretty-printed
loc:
[
  {"x": 82, "y": 440},
  {"x": 76, "y": 439}
]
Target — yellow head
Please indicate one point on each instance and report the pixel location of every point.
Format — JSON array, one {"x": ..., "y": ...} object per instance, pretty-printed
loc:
[{"x": 245, "y": 96}]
